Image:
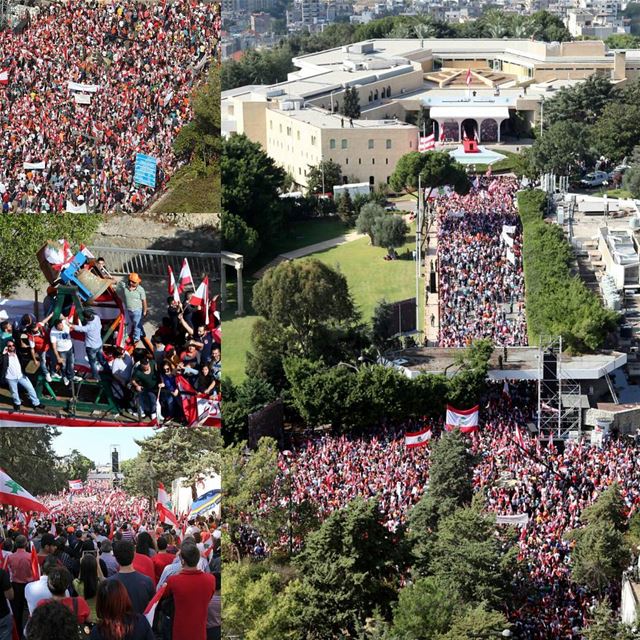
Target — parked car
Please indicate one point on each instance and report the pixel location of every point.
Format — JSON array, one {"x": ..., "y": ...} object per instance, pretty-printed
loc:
[{"x": 595, "y": 179}]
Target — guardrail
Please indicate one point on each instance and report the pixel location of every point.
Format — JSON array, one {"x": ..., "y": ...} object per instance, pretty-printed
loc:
[{"x": 152, "y": 262}]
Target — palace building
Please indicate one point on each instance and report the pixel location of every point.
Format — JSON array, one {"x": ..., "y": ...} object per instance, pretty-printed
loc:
[{"x": 467, "y": 87}]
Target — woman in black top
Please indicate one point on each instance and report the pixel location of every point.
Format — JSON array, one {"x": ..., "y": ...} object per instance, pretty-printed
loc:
[{"x": 118, "y": 621}]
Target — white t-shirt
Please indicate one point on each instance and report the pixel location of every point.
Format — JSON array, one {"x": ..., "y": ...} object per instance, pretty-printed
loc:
[
  {"x": 14, "y": 370},
  {"x": 61, "y": 338}
]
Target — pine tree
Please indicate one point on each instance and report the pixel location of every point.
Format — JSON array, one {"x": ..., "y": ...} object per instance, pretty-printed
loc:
[{"x": 351, "y": 103}]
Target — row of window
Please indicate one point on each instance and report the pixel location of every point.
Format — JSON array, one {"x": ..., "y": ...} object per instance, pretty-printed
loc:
[
  {"x": 373, "y": 160},
  {"x": 344, "y": 143}
]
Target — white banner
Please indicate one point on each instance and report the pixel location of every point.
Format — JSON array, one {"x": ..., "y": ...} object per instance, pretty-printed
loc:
[
  {"x": 519, "y": 520},
  {"x": 82, "y": 98},
  {"x": 88, "y": 88},
  {"x": 76, "y": 208},
  {"x": 167, "y": 98},
  {"x": 508, "y": 228},
  {"x": 31, "y": 166},
  {"x": 511, "y": 257},
  {"x": 507, "y": 239}
]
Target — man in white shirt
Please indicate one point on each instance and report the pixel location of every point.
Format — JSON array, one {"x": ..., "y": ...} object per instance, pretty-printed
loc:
[
  {"x": 11, "y": 371},
  {"x": 39, "y": 590},
  {"x": 62, "y": 347}
]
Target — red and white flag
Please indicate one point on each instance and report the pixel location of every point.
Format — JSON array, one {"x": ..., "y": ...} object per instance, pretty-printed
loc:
[
  {"x": 468, "y": 78},
  {"x": 464, "y": 419},
  {"x": 442, "y": 138},
  {"x": 163, "y": 507},
  {"x": 173, "y": 287},
  {"x": 185, "y": 277},
  {"x": 150, "y": 611},
  {"x": 201, "y": 296},
  {"x": 35, "y": 565},
  {"x": 4, "y": 77},
  {"x": 427, "y": 143},
  {"x": 417, "y": 438},
  {"x": 505, "y": 390},
  {"x": 75, "y": 485},
  {"x": 518, "y": 439},
  {"x": 11, "y": 493}
]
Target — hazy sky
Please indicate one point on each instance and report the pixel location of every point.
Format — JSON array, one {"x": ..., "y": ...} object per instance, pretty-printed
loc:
[{"x": 96, "y": 443}]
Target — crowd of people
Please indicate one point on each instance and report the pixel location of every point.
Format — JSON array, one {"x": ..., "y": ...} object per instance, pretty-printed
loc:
[
  {"x": 102, "y": 564},
  {"x": 134, "y": 66},
  {"x": 551, "y": 487},
  {"x": 481, "y": 282},
  {"x": 179, "y": 364}
]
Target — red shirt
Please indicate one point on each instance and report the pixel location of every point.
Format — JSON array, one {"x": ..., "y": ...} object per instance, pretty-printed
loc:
[
  {"x": 160, "y": 561},
  {"x": 84, "y": 613},
  {"x": 19, "y": 565},
  {"x": 192, "y": 590},
  {"x": 144, "y": 564}
]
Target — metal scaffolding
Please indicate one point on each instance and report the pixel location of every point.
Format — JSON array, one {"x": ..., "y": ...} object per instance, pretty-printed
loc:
[{"x": 559, "y": 397}]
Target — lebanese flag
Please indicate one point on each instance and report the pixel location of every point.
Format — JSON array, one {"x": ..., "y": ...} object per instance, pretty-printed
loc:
[
  {"x": 465, "y": 419},
  {"x": 189, "y": 397},
  {"x": 163, "y": 507},
  {"x": 11, "y": 493},
  {"x": 505, "y": 391},
  {"x": 212, "y": 311},
  {"x": 468, "y": 78},
  {"x": 150, "y": 611},
  {"x": 208, "y": 413},
  {"x": 75, "y": 485},
  {"x": 201, "y": 296},
  {"x": 427, "y": 143},
  {"x": 185, "y": 276},
  {"x": 4, "y": 77},
  {"x": 415, "y": 439},
  {"x": 442, "y": 138},
  {"x": 35, "y": 565},
  {"x": 173, "y": 287}
]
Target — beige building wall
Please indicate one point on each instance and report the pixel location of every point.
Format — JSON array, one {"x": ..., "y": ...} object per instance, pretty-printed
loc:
[
  {"x": 250, "y": 118},
  {"x": 449, "y": 63},
  {"x": 362, "y": 152}
]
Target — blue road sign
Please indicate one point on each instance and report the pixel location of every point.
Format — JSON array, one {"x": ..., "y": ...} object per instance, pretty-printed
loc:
[{"x": 146, "y": 170}]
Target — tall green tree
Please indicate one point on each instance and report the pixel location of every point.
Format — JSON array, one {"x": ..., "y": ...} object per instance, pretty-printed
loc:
[
  {"x": 435, "y": 168},
  {"x": 389, "y": 231},
  {"x": 76, "y": 465},
  {"x": 238, "y": 236},
  {"x": 250, "y": 186},
  {"x": 302, "y": 299},
  {"x": 469, "y": 557},
  {"x": 345, "y": 209},
  {"x": 367, "y": 218},
  {"x": 327, "y": 174},
  {"x": 200, "y": 138},
  {"x": 264, "y": 66},
  {"x": 344, "y": 575},
  {"x": 580, "y": 103},
  {"x": 22, "y": 236},
  {"x": 562, "y": 148},
  {"x": 477, "y": 622},
  {"x": 617, "y": 130},
  {"x": 27, "y": 455},
  {"x": 350, "y": 107}
]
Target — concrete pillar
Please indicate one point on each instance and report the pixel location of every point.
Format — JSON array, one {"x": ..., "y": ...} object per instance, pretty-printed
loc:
[
  {"x": 240, "y": 311},
  {"x": 499, "y": 123},
  {"x": 223, "y": 285},
  {"x": 459, "y": 130}
]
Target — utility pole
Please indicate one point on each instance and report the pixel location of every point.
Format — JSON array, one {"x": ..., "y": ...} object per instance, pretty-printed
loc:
[{"x": 418, "y": 251}]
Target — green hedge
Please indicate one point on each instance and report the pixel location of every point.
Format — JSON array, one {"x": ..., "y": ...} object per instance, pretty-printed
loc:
[{"x": 557, "y": 303}]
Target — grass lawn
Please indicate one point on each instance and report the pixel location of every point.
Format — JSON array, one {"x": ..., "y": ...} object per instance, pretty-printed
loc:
[
  {"x": 615, "y": 193},
  {"x": 192, "y": 193},
  {"x": 506, "y": 164},
  {"x": 370, "y": 279},
  {"x": 305, "y": 232}
]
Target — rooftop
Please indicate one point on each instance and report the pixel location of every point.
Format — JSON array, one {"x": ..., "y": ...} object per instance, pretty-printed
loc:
[{"x": 326, "y": 120}]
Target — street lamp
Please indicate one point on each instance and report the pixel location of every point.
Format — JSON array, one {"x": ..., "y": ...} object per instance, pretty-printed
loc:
[{"x": 541, "y": 114}]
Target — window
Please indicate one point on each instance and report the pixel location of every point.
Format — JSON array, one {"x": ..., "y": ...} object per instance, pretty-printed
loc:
[
  {"x": 313, "y": 140},
  {"x": 270, "y": 124},
  {"x": 343, "y": 143},
  {"x": 386, "y": 161},
  {"x": 280, "y": 128},
  {"x": 347, "y": 162},
  {"x": 383, "y": 92},
  {"x": 299, "y": 171},
  {"x": 375, "y": 95},
  {"x": 288, "y": 131},
  {"x": 388, "y": 144},
  {"x": 373, "y": 160},
  {"x": 298, "y": 134},
  {"x": 332, "y": 143},
  {"x": 370, "y": 144},
  {"x": 359, "y": 160},
  {"x": 388, "y": 91}
]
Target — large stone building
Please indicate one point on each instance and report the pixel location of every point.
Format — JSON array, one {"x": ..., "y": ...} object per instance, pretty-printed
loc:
[{"x": 471, "y": 87}]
